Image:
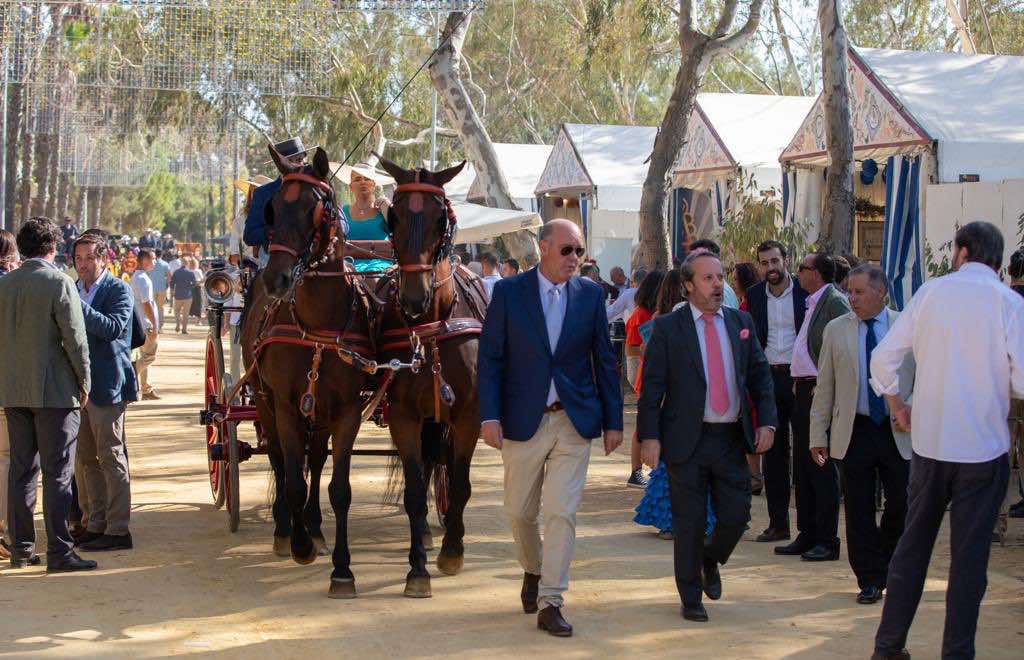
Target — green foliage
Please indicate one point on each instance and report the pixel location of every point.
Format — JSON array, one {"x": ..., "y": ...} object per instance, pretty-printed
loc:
[{"x": 759, "y": 219}]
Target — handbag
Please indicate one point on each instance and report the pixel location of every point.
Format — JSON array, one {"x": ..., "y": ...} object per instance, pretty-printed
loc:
[{"x": 138, "y": 327}]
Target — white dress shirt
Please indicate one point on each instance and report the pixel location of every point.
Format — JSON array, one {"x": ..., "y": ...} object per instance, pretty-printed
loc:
[
  {"x": 87, "y": 296},
  {"x": 781, "y": 325},
  {"x": 733, "y": 413},
  {"x": 802, "y": 366},
  {"x": 553, "y": 302},
  {"x": 489, "y": 281},
  {"x": 623, "y": 306},
  {"x": 881, "y": 329},
  {"x": 966, "y": 331}
]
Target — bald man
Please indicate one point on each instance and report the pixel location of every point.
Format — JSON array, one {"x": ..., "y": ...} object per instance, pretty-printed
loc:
[{"x": 548, "y": 385}]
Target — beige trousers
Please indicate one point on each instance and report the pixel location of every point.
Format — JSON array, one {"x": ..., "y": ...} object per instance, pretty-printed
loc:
[
  {"x": 161, "y": 302},
  {"x": 147, "y": 355},
  {"x": 181, "y": 308},
  {"x": 546, "y": 474}
]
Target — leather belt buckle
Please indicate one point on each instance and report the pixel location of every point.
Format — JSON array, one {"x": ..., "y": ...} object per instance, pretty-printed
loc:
[{"x": 554, "y": 407}]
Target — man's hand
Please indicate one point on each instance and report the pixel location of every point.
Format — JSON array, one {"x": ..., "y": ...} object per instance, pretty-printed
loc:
[
  {"x": 819, "y": 455},
  {"x": 901, "y": 418},
  {"x": 650, "y": 453},
  {"x": 612, "y": 439},
  {"x": 764, "y": 438},
  {"x": 492, "y": 434},
  {"x": 382, "y": 204}
]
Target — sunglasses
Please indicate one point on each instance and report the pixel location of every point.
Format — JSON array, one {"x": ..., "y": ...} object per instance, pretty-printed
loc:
[
  {"x": 568, "y": 249},
  {"x": 803, "y": 267}
]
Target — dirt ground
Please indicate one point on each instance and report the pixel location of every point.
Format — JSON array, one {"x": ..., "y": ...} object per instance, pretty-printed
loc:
[{"x": 190, "y": 587}]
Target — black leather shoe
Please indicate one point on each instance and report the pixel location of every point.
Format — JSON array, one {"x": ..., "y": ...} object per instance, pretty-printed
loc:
[
  {"x": 529, "y": 592},
  {"x": 71, "y": 564},
  {"x": 712, "y": 580},
  {"x": 899, "y": 655},
  {"x": 799, "y": 546},
  {"x": 695, "y": 612},
  {"x": 108, "y": 542},
  {"x": 22, "y": 562},
  {"x": 87, "y": 537},
  {"x": 550, "y": 619},
  {"x": 822, "y": 552},
  {"x": 869, "y": 595},
  {"x": 772, "y": 534}
]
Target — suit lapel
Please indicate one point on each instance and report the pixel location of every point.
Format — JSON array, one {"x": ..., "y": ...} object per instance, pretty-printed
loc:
[
  {"x": 732, "y": 327},
  {"x": 531, "y": 300},
  {"x": 573, "y": 305},
  {"x": 688, "y": 328},
  {"x": 853, "y": 346},
  {"x": 101, "y": 291}
]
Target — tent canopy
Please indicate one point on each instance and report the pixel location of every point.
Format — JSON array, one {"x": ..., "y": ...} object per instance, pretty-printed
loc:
[
  {"x": 588, "y": 156},
  {"x": 522, "y": 165},
  {"x": 480, "y": 224},
  {"x": 905, "y": 100}
]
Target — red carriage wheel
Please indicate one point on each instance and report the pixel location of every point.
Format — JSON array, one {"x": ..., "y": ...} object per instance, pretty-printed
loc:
[
  {"x": 441, "y": 492},
  {"x": 229, "y": 435},
  {"x": 212, "y": 390}
]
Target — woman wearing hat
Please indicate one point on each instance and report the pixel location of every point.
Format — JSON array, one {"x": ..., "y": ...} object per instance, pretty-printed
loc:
[{"x": 365, "y": 214}]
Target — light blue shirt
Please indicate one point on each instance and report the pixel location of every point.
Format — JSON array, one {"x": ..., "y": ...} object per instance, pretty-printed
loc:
[
  {"x": 547, "y": 305},
  {"x": 161, "y": 271},
  {"x": 733, "y": 413},
  {"x": 87, "y": 296},
  {"x": 881, "y": 328},
  {"x": 729, "y": 298}
]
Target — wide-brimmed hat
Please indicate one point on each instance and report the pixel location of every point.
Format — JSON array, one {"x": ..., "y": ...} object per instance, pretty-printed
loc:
[
  {"x": 291, "y": 147},
  {"x": 248, "y": 185},
  {"x": 370, "y": 172}
]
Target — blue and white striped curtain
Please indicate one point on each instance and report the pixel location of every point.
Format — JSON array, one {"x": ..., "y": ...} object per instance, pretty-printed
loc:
[
  {"x": 901, "y": 243},
  {"x": 789, "y": 197}
]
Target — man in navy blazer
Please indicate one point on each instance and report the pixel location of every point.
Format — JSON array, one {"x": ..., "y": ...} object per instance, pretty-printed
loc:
[
  {"x": 101, "y": 463},
  {"x": 254, "y": 234},
  {"x": 548, "y": 385}
]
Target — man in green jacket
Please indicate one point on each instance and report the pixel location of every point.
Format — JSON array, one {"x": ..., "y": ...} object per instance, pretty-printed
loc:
[{"x": 43, "y": 384}]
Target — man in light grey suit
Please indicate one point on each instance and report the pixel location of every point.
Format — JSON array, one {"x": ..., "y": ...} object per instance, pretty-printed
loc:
[
  {"x": 43, "y": 383},
  {"x": 863, "y": 438}
]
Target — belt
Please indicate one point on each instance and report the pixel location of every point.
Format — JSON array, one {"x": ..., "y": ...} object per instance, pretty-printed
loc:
[
  {"x": 806, "y": 379},
  {"x": 780, "y": 367},
  {"x": 554, "y": 407}
]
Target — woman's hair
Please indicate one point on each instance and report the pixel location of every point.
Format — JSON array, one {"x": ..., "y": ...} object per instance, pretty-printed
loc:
[
  {"x": 8, "y": 253},
  {"x": 747, "y": 276},
  {"x": 670, "y": 293},
  {"x": 1016, "y": 264},
  {"x": 647, "y": 292}
]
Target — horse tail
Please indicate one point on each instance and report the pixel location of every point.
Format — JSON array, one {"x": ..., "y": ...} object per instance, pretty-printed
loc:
[{"x": 433, "y": 451}]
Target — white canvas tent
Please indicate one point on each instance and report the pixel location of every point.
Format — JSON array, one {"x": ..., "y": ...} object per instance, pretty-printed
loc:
[
  {"x": 594, "y": 177},
  {"x": 731, "y": 139},
  {"x": 922, "y": 119},
  {"x": 482, "y": 224},
  {"x": 522, "y": 165}
]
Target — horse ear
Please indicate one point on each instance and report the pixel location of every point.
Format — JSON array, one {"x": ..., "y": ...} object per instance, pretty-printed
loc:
[
  {"x": 321, "y": 164},
  {"x": 282, "y": 164},
  {"x": 399, "y": 174},
  {"x": 444, "y": 176}
]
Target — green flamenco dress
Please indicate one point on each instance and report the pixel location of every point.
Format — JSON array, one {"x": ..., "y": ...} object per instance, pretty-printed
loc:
[{"x": 371, "y": 229}]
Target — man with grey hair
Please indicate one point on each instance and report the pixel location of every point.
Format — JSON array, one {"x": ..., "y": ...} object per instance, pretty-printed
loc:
[
  {"x": 863, "y": 440},
  {"x": 623, "y": 306}
]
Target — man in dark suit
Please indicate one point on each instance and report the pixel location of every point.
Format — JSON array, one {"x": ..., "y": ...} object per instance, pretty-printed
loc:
[
  {"x": 255, "y": 231},
  {"x": 547, "y": 386},
  {"x": 777, "y": 305},
  {"x": 699, "y": 366},
  {"x": 101, "y": 462}
]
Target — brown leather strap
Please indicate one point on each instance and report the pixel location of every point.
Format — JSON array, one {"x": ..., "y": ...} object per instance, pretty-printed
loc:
[{"x": 370, "y": 250}]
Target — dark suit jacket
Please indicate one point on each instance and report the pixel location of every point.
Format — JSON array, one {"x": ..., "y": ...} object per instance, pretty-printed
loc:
[
  {"x": 831, "y": 306},
  {"x": 516, "y": 363},
  {"x": 757, "y": 302},
  {"x": 673, "y": 390},
  {"x": 255, "y": 232},
  {"x": 108, "y": 328}
]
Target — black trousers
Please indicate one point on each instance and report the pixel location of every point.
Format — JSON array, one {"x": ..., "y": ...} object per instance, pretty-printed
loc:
[
  {"x": 41, "y": 438},
  {"x": 776, "y": 460},
  {"x": 718, "y": 463},
  {"x": 973, "y": 492},
  {"x": 817, "y": 486},
  {"x": 870, "y": 546}
]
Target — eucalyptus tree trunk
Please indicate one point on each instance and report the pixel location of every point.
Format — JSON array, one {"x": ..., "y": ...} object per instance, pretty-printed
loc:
[
  {"x": 53, "y": 178},
  {"x": 41, "y": 174},
  {"x": 697, "y": 51},
  {"x": 14, "y": 116},
  {"x": 26, "y": 144},
  {"x": 462, "y": 117},
  {"x": 837, "y": 216}
]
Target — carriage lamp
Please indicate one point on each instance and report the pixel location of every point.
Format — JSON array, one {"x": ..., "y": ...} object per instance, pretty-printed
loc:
[{"x": 219, "y": 287}]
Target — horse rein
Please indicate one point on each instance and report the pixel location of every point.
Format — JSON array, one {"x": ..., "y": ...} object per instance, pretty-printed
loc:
[{"x": 325, "y": 207}]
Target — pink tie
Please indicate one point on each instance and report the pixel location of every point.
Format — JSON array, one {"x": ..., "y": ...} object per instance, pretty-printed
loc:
[{"x": 716, "y": 366}]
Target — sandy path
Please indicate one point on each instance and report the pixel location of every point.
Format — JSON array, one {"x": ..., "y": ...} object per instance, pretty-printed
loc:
[{"x": 191, "y": 587}]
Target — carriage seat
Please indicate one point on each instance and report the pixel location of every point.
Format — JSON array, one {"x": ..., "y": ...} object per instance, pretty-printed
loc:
[{"x": 369, "y": 250}]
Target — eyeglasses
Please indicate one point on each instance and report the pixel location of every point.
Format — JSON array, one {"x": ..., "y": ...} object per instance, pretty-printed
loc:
[
  {"x": 568, "y": 249},
  {"x": 803, "y": 267}
]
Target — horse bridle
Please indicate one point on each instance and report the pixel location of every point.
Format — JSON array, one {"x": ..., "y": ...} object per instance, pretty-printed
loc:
[{"x": 317, "y": 251}]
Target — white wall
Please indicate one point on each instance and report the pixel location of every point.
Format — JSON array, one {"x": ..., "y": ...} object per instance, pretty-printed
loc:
[
  {"x": 612, "y": 237},
  {"x": 952, "y": 204}
]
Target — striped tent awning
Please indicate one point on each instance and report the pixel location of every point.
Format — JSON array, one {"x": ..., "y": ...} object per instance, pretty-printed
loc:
[{"x": 901, "y": 243}]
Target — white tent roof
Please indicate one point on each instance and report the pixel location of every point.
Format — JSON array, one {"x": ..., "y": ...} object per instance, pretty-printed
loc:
[
  {"x": 479, "y": 224},
  {"x": 522, "y": 165},
  {"x": 971, "y": 104},
  {"x": 755, "y": 128},
  {"x": 613, "y": 155}
]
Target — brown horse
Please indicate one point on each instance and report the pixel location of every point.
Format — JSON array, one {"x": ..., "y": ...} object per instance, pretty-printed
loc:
[
  {"x": 433, "y": 414},
  {"x": 307, "y": 333}
]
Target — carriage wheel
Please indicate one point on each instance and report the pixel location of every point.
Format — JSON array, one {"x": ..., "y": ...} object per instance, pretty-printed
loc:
[
  {"x": 229, "y": 433},
  {"x": 212, "y": 391},
  {"x": 441, "y": 493}
]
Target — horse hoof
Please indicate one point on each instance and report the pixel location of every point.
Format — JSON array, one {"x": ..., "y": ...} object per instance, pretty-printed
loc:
[
  {"x": 283, "y": 546},
  {"x": 321, "y": 546},
  {"x": 342, "y": 589},
  {"x": 428, "y": 541},
  {"x": 418, "y": 587},
  {"x": 305, "y": 555},
  {"x": 449, "y": 565}
]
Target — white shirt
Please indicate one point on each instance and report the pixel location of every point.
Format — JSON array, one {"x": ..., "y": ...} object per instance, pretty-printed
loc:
[
  {"x": 733, "y": 413},
  {"x": 142, "y": 286},
  {"x": 546, "y": 303},
  {"x": 781, "y": 325},
  {"x": 881, "y": 329},
  {"x": 966, "y": 331},
  {"x": 489, "y": 281},
  {"x": 802, "y": 366},
  {"x": 174, "y": 265},
  {"x": 623, "y": 305},
  {"x": 87, "y": 296}
]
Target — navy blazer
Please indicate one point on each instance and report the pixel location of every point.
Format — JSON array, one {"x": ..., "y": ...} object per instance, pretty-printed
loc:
[
  {"x": 255, "y": 232},
  {"x": 757, "y": 307},
  {"x": 108, "y": 328},
  {"x": 516, "y": 363}
]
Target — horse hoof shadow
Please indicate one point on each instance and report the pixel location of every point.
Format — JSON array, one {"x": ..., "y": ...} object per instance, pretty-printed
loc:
[
  {"x": 418, "y": 587},
  {"x": 449, "y": 565},
  {"x": 283, "y": 546},
  {"x": 342, "y": 589}
]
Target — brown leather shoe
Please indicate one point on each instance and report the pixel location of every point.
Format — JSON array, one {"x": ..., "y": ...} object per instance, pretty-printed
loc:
[
  {"x": 772, "y": 535},
  {"x": 529, "y": 593},
  {"x": 899, "y": 655},
  {"x": 550, "y": 619}
]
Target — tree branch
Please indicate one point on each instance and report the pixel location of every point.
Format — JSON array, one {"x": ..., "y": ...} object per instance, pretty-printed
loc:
[
  {"x": 725, "y": 20},
  {"x": 738, "y": 38}
]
